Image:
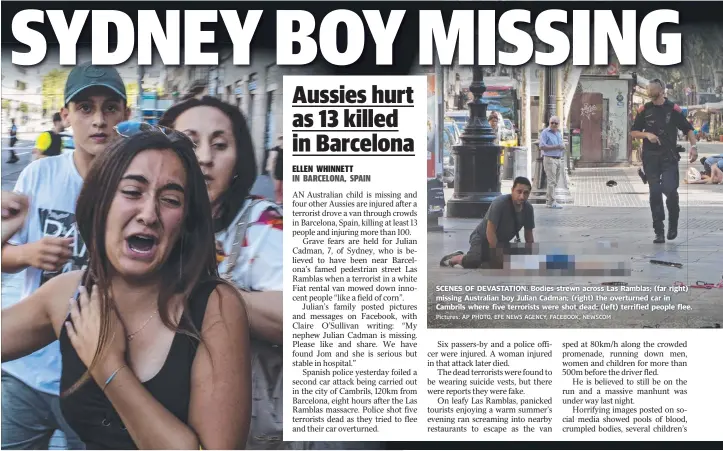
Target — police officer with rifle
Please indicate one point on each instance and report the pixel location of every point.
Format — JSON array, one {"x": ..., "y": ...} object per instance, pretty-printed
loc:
[{"x": 657, "y": 124}]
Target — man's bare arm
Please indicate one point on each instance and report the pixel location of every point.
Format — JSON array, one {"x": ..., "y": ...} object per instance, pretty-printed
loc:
[
  {"x": 13, "y": 259},
  {"x": 265, "y": 313},
  {"x": 491, "y": 234}
]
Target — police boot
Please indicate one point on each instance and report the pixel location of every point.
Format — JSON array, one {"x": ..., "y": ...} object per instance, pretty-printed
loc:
[
  {"x": 659, "y": 232},
  {"x": 672, "y": 229}
]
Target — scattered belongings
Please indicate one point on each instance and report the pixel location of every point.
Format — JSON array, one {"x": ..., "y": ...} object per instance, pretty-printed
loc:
[
  {"x": 664, "y": 263},
  {"x": 615, "y": 284},
  {"x": 612, "y": 183},
  {"x": 707, "y": 285}
]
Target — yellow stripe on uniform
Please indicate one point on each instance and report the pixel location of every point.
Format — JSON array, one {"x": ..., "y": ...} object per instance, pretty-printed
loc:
[{"x": 43, "y": 141}]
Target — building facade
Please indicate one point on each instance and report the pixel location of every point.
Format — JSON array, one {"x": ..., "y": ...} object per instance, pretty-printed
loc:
[
  {"x": 22, "y": 99},
  {"x": 601, "y": 111}
]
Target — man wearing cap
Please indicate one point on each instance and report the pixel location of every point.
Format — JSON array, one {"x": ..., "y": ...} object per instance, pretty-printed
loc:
[
  {"x": 657, "y": 124},
  {"x": 49, "y": 244}
]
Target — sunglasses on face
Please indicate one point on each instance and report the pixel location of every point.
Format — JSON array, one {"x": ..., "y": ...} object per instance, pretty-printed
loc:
[
  {"x": 130, "y": 128},
  {"x": 554, "y": 123}
]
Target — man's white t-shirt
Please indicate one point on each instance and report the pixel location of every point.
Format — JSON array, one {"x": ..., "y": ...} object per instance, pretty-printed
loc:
[{"x": 53, "y": 185}]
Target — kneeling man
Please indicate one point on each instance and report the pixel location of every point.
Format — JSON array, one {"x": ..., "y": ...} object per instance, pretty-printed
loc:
[{"x": 507, "y": 215}]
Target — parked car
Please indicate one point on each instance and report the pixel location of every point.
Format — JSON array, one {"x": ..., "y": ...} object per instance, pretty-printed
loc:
[
  {"x": 453, "y": 129},
  {"x": 508, "y": 131},
  {"x": 448, "y": 169},
  {"x": 460, "y": 117}
]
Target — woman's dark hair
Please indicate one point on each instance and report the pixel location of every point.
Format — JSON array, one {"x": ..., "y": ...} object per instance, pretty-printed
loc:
[
  {"x": 232, "y": 200},
  {"x": 191, "y": 262}
]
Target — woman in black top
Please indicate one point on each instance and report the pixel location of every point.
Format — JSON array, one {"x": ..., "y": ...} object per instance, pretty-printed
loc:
[{"x": 155, "y": 346}]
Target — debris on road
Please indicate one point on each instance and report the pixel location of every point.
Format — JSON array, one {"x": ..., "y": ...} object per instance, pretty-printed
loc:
[
  {"x": 707, "y": 285},
  {"x": 664, "y": 263}
]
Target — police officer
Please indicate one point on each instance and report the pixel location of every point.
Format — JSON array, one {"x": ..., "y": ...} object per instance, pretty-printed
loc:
[{"x": 657, "y": 124}]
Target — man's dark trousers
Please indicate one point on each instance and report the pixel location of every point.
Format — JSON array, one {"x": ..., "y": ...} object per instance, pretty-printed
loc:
[{"x": 661, "y": 169}]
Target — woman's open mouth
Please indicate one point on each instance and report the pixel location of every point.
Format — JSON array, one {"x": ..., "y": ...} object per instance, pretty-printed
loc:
[{"x": 142, "y": 246}]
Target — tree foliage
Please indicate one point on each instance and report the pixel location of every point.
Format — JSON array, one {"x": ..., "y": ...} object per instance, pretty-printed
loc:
[
  {"x": 53, "y": 90},
  {"x": 702, "y": 58},
  {"x": 132, "y": 93}
]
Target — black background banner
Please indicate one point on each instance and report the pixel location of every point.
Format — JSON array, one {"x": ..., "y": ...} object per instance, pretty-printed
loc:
[{"x": 692, "y": 14}]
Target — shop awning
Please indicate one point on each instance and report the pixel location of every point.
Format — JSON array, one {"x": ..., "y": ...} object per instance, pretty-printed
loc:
[{"x": 717, "y": 106}]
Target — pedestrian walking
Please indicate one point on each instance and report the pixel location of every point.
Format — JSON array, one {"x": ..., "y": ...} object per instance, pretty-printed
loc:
[
  {"x": 657, "y": 124},
  {"x": 49, "y": 244},
  {"x": 552, "y": 149},
  {"x": 13, "y": 140},
  {"x": 155, "y": 349}
]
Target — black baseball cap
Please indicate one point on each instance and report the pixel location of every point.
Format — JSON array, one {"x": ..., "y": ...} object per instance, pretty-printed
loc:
[{"x": 86, "y": 75}]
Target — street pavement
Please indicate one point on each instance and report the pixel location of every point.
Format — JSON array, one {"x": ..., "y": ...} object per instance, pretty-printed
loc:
[
  {"x": 10, "y": 172},
  {"x": 611, "y": 226}
]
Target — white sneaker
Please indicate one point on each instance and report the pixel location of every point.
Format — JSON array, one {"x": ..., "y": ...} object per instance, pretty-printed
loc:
[{"x": 555, "y": 206}]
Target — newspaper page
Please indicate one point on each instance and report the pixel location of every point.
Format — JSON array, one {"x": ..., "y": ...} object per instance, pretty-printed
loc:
[{"x": 311, "y": 226}]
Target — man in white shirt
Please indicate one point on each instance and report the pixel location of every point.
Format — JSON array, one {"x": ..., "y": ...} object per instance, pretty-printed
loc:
[
  {"x": 552, "y": 149},
  {"x": 49, "y": 244}
]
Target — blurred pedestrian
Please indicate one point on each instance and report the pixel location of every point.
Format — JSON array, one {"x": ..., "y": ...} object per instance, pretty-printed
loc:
[
  {"x": 50, "y": 143},
  {"x": 552, "y": 152},
  {"x": 13, "y": 140}
]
